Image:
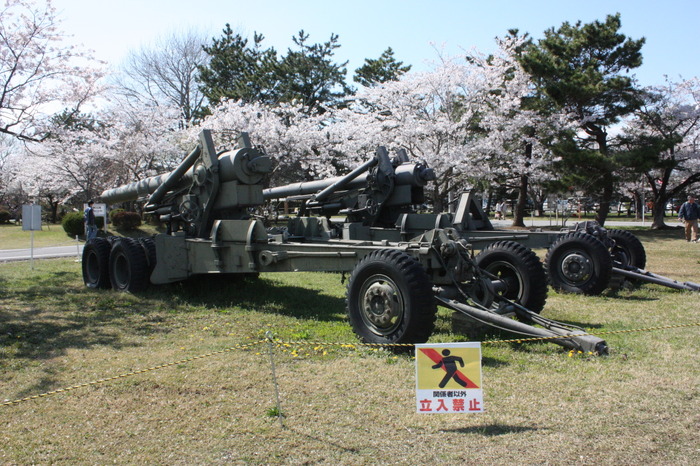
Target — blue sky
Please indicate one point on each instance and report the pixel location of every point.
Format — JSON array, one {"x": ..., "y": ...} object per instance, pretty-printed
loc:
[{"x": 414, "y": 29}]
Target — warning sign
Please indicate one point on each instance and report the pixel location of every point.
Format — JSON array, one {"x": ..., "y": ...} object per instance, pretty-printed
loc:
[{"x": 448, "y": 378}]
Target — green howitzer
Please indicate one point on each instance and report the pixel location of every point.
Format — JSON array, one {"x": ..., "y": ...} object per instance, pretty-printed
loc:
[
  {"x": 396, "y": 282},
  {"x": 378, "y": 200},
  {"x": 204, "y": 186},
  {"x": 374, "y": 193}
]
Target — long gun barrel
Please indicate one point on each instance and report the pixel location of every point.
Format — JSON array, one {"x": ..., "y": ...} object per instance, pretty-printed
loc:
[
  {"x": 204, "y": 187},
  {"x": 409, "y": 174},
  {"x": 374, "y": 192},
  {"x": 406, "y": 174},
  {"x": 247, "y": 166}
]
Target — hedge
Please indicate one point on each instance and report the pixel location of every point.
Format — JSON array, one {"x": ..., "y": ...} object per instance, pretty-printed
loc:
[
  {"x": 73, "y": 224},
  {"x": 5, "y": 216},
  {"x": 123, "y": 220}
]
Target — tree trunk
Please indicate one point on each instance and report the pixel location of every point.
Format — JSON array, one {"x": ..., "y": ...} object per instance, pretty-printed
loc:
[
  {"x": 519, "y": 210},
  {"x": 54, "y": 211},
  {"x": 438, "y": 205},
  {"x": 638, "y": 205},
  {"x": 489, "y": 203},
  {"x": 601, "y": 137},
  {"x": 606, "y": 199},
  {"x": 659, "y": 212}
]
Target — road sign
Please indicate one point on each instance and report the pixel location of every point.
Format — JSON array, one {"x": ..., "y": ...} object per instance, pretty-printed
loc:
[
  {"x": 31, "y": 217},
  {"x": 99, "y": 209},
  {"x": 31, "y": 221},
  {"x": 448, "y": 378}
]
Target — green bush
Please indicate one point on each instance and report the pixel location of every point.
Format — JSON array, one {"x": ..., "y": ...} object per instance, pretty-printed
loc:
[
  {"x": 73, "y": 225},
  {"x": 114, "y": 212},
  {"x": 125, "y": 220},
  {"x": 5, "y": 216}
]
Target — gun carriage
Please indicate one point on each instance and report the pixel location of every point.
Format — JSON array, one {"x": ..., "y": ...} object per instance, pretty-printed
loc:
[
  {"x": 402, "y": 264},
  {"x": 585, "y": 258}
]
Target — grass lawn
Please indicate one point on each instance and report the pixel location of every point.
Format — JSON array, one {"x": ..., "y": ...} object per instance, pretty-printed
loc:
[
  {"x": 13, "y": 237},
  {"x": 343, "y": 403}
]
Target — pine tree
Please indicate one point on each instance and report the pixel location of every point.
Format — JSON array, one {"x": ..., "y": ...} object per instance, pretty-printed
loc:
[
  {"x": 582, "y": 68},
  {"x": 383, "y": 69},
  {"x": 239, "y": 70},
  {"x": 249, "y": 73},
  {"x": 310, "y": 75}
]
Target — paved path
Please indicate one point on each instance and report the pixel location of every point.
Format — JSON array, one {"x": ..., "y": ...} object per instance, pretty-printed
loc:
[{"x": 7, "y": 255}]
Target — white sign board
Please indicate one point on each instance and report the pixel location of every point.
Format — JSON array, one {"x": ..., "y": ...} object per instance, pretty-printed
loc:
[
  {"x": 31, "y": 217},
  {"x": 448, "y": 378},
  {"x": 100, "y": 210}
]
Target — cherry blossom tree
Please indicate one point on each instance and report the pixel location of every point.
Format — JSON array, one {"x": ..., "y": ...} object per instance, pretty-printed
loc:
[
  {"x": 38, "y": 70},
  {"x": 432, "y": 115},
  {"x": 34, "y": 180},
  {"x": 86, "y": 154},
  {"x": 663, "y": 142},
  {"x": 518, "y": 133},
  {"x": 12, "y": 196},
  {"x": 465, "y": 118},
  {"x": 141, "y": 142}
]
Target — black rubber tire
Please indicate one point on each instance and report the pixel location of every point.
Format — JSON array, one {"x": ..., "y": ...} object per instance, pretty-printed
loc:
[
  {"x": 521, "y": 271},
  {"x": 390, "y": 299},
  {"x": 628, "y": 250},
  {"x": 95, "y": 263},
  {"x": 579, "y": 263},
  {"x": 149, "y": 246},
  {"x": 128, "y": 266}
]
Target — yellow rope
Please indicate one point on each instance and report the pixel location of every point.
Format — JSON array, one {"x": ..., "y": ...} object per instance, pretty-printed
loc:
[
  {"x": 128, "y": 374},
  {"x": 487, "y": 342},
  {"x": 347, "y": 345}
]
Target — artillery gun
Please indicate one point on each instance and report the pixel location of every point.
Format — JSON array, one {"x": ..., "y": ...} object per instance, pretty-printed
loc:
[
  {"x": 395, "y": 285},
  {"x": 586, "y": 258}
]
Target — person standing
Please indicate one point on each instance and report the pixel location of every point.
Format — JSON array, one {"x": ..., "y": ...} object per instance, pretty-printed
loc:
[
  {"x": 689, "y": 214},
  {"x": 504, "y": 210},
  {"x": 90, "y": 225}
]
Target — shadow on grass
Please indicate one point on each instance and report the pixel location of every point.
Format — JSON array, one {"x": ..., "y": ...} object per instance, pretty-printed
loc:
[
  {"x": 632, "y": 297},
  {"x": 255, "y": 293},
  {"x": 491, "y": 430},
  {"x": 41, "y": 320},
  {"x": 493, "y": 362},
  {"x": 648, "y": 235},
  {"x": 323, "y": 441}
]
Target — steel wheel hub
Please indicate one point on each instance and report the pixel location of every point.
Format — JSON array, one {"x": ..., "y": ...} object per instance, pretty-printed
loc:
[
  {"x": 576, "y": 267},
  {"x": 381, "y": 305}
]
